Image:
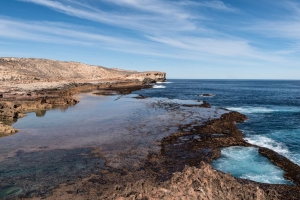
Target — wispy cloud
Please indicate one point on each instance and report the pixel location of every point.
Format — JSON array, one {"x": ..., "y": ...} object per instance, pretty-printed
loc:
[
  {"x": 215, "y": 4},
  {"x": 165, "y": 8},
  {"x": 284, "y": 29},
  {"x": 286, "y": 26},
  {"x": 169, "y": 29},
  {"x": 54, "y": 32},
  {"x": 173, "y": 17}
]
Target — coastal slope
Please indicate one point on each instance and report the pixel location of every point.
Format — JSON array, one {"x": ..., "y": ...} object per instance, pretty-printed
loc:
[{"x": 22, "y": 72}]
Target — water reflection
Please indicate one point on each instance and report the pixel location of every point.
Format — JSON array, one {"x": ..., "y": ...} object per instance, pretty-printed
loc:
[{"x": 40, "y": 113}]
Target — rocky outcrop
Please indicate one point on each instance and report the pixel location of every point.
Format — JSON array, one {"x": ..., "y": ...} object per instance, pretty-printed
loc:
[
  {"x": 202, "y": 144},
  {"x": 191, "y": 183},
  {"x": 206, "y": 95},
  {"x": 6, "y": 130},
  {"x": 149, "y": 77},
  {"x": 203, "y": 105},
  {"x": 292, "y": 171}
]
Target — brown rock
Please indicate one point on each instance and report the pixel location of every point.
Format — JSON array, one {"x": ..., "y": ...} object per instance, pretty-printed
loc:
[{"x": 6, "y": 130}]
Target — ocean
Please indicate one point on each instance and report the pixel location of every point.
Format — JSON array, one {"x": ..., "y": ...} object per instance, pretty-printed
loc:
[{"x": 273, "y": 111}]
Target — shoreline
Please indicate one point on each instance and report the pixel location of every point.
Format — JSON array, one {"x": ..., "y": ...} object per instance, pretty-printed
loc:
[
  {"x": 164, "y": 177},
  {"x": 14, "y": 104}
]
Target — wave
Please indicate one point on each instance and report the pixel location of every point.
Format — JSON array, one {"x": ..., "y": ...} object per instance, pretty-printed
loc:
[
  {"x": 268, "y": 143},
  {"x": 250, "y": 109},
  {"x": 238, "y": 152},
  {"x": 164, "y": 82},
  {"x": 159, "y": 86},
  {"x": 271, "y": 177}
]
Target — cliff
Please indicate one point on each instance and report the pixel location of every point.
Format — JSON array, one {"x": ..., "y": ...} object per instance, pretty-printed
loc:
[{"x": 31, "y": 70}]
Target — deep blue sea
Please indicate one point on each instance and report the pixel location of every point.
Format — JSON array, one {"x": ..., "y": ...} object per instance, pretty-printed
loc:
[{"x": 273, "y": 111}]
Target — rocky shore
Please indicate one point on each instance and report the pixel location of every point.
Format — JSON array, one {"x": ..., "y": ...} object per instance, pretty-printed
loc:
[
  {"x": 179, "y": 170},
  {"x": 182, "y": 170},
  {"x": 28, "y": 85}
]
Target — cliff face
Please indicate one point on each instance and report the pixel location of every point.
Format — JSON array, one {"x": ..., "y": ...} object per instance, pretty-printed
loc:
[
  {"x": 144, "y": 76},
  {"x": 29, "y": 70}
]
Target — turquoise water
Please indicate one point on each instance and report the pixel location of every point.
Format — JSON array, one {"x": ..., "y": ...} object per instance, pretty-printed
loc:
[{"x": 247, "y": 163}]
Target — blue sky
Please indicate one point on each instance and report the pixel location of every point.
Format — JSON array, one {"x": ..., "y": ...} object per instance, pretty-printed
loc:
[{"x": 232, "y": 39}]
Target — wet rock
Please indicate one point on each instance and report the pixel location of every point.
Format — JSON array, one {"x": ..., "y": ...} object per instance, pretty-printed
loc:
[
  {"x": 6, "y": 130},
  {"x": 40, "y": 113},
  {"x": 148, "y": 81},
  {"x": 205, "y": 105},
  {"x": 206, "y": 95},
  {"x": 202, "y": 143},
  {"x": 10, "y": 191},
  {"x": 140, "y": 97},
  {"x": 292, "y": 171}
]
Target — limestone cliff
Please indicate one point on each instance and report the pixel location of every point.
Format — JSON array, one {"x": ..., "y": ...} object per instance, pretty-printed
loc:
[{"x": 31, "y": 70}]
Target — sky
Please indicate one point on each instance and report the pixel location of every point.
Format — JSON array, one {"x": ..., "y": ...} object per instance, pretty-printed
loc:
[{"x": 197, "y": 39}]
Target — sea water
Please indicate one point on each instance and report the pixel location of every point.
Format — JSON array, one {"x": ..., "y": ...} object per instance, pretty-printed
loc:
[{"x": 273, "y": 111}]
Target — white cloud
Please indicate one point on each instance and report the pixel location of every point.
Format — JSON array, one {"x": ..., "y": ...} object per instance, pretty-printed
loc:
[
  {"x": 54, "y": 32},
  {"x": 283, "y": 29},
  {"x": 215, "y": 4}
]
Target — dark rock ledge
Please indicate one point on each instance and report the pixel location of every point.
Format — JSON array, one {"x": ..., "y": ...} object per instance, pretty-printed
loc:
[
  {"x": 203, "y": 145},
  {"x": 181, "y": 169}
]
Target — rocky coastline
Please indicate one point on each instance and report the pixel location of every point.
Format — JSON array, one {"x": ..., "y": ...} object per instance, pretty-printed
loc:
[
  {"x": 29, "y": 84},
  {"x": 179, "y": 170}
]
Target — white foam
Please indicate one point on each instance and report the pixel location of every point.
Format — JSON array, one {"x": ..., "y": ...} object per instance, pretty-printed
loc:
[
  {"x": 265, "y": 178},
  {"x": 250, "y": 109},
  {"x": 246, "y": 162},
  {"x": 268, "y": 143},
  {"x": 159, "y": 86},
  {"x": 238, "y": 153}
]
